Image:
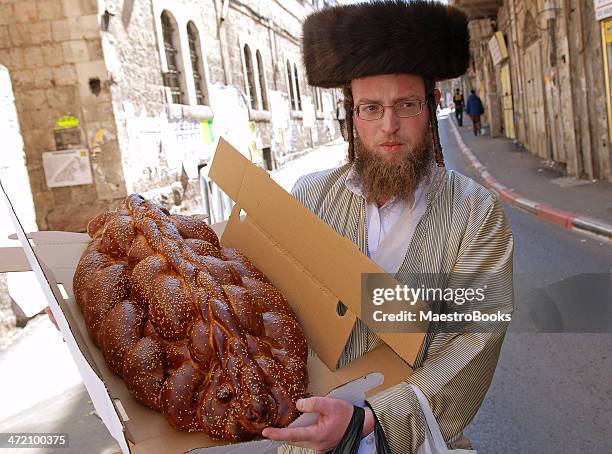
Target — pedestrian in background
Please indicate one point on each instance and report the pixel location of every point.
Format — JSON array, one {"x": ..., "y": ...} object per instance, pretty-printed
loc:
[
  {"x": 459, "y": 104},
  {"x": 475, "y": 109},
  {"x": 341, "y": 116}
]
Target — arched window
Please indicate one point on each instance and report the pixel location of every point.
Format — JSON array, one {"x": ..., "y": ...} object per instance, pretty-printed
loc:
[
  {"x": 248, "y": 62},
  {"x": 297, "y": 88},
  {"x": 290, "y": 82},
  {"x": 173, "y": 78},
  {"x": 197, "y": 64},
  {"x": 262, "y": 81}
]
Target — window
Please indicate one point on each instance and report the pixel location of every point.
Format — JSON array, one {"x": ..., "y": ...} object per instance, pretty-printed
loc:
[
  {"x": 173, "y": 78},
  {"x": 252, "y": 91},
  {"x": 290, "y": 83},
  {"x": 297, "y": 88},
  {"x": 262, "y": 81},
  {"x": 197, "y": 69}
]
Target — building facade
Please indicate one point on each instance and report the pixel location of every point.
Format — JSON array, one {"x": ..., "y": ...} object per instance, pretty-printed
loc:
[
  {"x": 116, "y": 97},
  {"x": 543, "y": 70}
]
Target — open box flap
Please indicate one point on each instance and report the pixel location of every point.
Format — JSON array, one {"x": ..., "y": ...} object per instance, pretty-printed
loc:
[
  {"x": 78, "y": 349},
  {"x": 337, "y": 269},
  {"x": 147, "y": 430}
]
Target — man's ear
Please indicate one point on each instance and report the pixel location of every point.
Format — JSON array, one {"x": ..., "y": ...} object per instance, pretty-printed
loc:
[{"x": 437, "y": 96}]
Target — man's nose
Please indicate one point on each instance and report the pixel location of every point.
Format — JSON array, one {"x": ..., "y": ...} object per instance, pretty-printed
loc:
[{"x": 390, "y": 121}]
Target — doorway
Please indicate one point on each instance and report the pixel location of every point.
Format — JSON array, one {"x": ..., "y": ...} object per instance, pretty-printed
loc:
[
  {"x": 508, "y": 110},
  {"x": 537, "y": 137}
]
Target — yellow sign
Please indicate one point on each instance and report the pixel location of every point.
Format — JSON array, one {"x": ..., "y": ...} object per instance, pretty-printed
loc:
[
  {"x": 67, "y": 122},
  {"x": 608, "y": 31}
]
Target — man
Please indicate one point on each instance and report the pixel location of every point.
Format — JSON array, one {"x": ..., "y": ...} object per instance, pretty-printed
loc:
[
  {"x": 341, "y": 116},
  {"x": 458, "y": 100},
  {"x": 475, "y": 110},
  {"x": 391, "y": 197}
]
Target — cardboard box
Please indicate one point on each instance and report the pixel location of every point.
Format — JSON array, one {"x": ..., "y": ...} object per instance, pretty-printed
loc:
[{"x": 305, "y": 259}]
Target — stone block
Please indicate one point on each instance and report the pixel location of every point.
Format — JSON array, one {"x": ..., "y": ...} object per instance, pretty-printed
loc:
[
  {"x": 25, "y": 11},
  {"x": 65, "y": 75},
  {"x": 63, "y": 196},
  {"x": 40, "y": 32},
  {"x": 74, "y": 217},
  {"x": 33, "y": 57},
  {"x": 44, "y": 77},
  {"x": 5, "y": 40},
  {"x": 50, "y": 9},
  {"x": 72, "y": 8},
  {"x": 60, "y": 30},
  {"x": 101, "y": 110},
  {"x": 91, "y": 70},
  {"x": 89, "y": 6},
  {"x": 31, "y": 99},
  {"x": 85, "y": 194},
  {"x": 38, "y": 184},
  {"x": 62, "y": 98},
  {"x": 36, "y": 141},
  {"x": 94, "y": 48},
  {"x": 15, "y": 59},
  {"x": 44, "y": 118},
  {"x": 112, "y": 186},
  {"x": 76, "y": 28},
  {"x": 88, "y": 26},
  {"x": 22, "y": 80},
  {"x": 6, "y": 14},
  {"x": 53, "y": 54},
  {"x": 20, "y": 34},
  {"x": 75, "y": 51}
]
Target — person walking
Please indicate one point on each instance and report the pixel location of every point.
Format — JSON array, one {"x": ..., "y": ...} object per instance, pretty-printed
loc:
[
  {"x": 459, "y": 104},
  {"x": 341, "y": 117},
  {"x": 475, "y": 109}
]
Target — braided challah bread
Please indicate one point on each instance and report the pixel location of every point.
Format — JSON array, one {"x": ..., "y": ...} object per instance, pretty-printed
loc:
[{"x": 193, "y": 328}]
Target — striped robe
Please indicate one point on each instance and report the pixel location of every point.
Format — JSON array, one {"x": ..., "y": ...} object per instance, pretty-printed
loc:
[{"x": 463, "y": 230}]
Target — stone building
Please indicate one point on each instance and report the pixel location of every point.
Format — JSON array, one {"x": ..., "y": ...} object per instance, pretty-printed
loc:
[
  {"x": 115, "y": 97},
  {"x": 543, "y": 69}
]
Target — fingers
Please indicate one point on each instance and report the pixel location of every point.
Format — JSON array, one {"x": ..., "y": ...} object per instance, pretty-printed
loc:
[
  {"x": 324, "y": 405},
  {"x": 292, "y": 435}
]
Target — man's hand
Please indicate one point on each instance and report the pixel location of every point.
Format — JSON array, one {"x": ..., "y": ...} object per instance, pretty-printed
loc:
[{"x": 334, "y": 418}]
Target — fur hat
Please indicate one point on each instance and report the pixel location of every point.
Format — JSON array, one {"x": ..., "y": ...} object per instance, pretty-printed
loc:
[{"x": 385, "y": 37}]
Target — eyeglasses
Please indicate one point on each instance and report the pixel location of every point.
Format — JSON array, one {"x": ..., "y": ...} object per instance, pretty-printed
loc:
[{"x": 403, "y": 109}]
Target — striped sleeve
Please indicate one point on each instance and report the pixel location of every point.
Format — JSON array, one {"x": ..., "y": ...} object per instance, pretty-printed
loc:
[{"x": 458, "y": 367}]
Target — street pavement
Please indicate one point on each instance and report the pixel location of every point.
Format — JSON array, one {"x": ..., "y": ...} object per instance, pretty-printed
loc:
[
  {"x": 551, "y": 392},
  {"x": 536, "y": 185}
]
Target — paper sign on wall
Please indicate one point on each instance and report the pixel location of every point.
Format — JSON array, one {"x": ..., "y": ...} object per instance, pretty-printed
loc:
[
  {"x": 603, "y": 9},
  {"x": 67, "y": 168}
]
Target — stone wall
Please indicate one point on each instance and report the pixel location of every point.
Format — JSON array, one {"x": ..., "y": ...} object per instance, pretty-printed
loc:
[
  {"x": 104, "y": 64},
  {"x": 53, "y": 52},
  {"x": 567, "y": 41}
]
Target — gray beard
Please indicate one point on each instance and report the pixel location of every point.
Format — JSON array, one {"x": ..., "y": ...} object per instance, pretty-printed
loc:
[{"x": 382, "y": 180}]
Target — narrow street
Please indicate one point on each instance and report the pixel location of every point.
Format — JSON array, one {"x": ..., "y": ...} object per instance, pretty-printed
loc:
[
  {"x": 103, "y": 99},
  {"x": 550, "y": 393}
]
